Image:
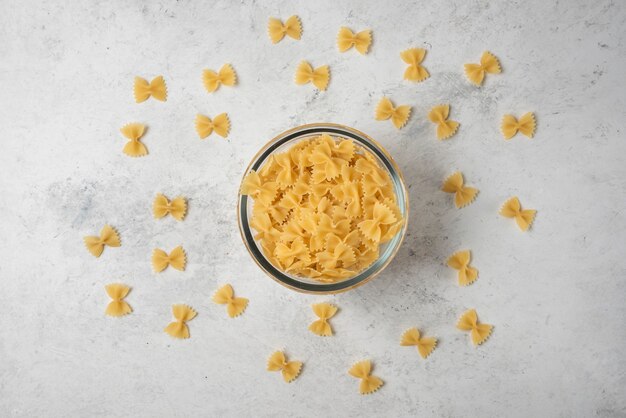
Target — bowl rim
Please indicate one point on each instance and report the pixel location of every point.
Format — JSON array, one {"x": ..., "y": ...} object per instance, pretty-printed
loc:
[{"x": 323, "y": 288}]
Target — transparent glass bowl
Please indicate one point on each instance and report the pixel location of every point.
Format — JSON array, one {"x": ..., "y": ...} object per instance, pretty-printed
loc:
[{"x": 388, "y": 250}]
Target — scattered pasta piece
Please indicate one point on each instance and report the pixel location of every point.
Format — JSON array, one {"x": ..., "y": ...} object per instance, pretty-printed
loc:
[
  {"x": 205, "y": 126},
  {"x": 162, "y": 207},
  {"x": 324, "y": 311},
  {"x": 156, "y": 88},
  {"x": 460, "y": 261},
  {"x": 213, "y": 80},
  {"x": 512, "y": 208},
  {"x": 108, "y": 236},
  {"x": 398, "y": 115},
  {"x": 322, "y": 208},
  {"x": 289, "y": 369},
  {"x": 488, "y": 64},
  {"x": 319, "y": 77},
  {"x": 161, "y": 260},
  {"x": 369, "y": 383},
  {"x": 445, "y": 128},
  {"x": 479, "y": 332},
  {"x": 415, "y": 71},
  {"x": 291, "y": 28},
  {"x": 463, "y": 195},
  {"x": 225, "y": 296},
  {"x": 425, "y": 345},
  {"x": 510, "y": 125},
  {"x": 134, "y": 147},
  {"x": 361, "y": 41},
  {"x": 182, "y": 314},
  {"x": 117, "y": 307}
]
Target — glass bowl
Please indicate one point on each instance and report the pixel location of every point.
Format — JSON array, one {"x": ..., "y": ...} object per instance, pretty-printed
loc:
[{"x": 387, "y": 250}]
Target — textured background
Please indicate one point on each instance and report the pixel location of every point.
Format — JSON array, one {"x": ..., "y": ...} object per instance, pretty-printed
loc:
[{"x": 556, "y": 295}]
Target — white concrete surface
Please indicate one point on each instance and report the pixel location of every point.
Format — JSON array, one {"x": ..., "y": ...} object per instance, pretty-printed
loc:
[{"x": 556, "y": 295}]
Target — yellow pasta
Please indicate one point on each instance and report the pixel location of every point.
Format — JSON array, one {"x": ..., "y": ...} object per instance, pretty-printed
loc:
[
  {"x": 134, "y": 147},
  {"x": 277, "y": 30},
  {"x": 319, "y": 76},
  {"x": 108, "y": 237},
  {"x": 445, "y": 128},
  {"x": 475, "y": 73},
  {"x": 415, "y": 71},
  {"x": 398, "y": 115},
  {"x": 524, "y": 218},
  {"x": 226, "y": 296},
  {"x": 324, "y": 312},
  {"x": 143, "y": 89},
  {"x": 362, "y": 370},
  {"x": 460, "y": 262},
  {"x": 212, "y": 80},
  {"x": 347, "y": 39},
  {"x": 322, "y": 209},
  {"x": 463, "y": 195},
  {"x": 161, "y": 260},
  {"x": 511, "y": 126},
  {"x": 205, "y": 126},
  {"x": 289, "y": 369},
  {"x": 479, "y": 333},
  {"x": 117, "y": 307},
  {"x": 163, "y": 207},
  {"x": 425, "y": 345},
  {"x": 182, "y": 314}
]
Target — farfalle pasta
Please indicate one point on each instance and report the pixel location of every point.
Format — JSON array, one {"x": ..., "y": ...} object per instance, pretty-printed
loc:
[
  {"x": 524, "y": 218},
  {"x": 463, "y": 195},
  {"x": 460, "y": 261},
  {"x": 213, "y": 80},
  {"x": 118, "y": 306},
  {"x": 133, "y": 132},
  {"x": 176, "y": 259},
  {"x": 289, "y": 369},
  {"x": 479, "y": 333},
  {"x": 156, "y": 88},
  {"x": 425, "y": 345},
  {"x": 225, "y": 295},
  {"x": 369, "y": 383},
  {"x": 322, "y": 209},
  {"x": 347, "y": 39},
  {"x": 108, "y": 237},
  {"x": 205, "y": 126},
  {"x": 324, "y": 312},
  {"x": 179, "y": 328},
  {"x": 511, "y": 125},
  {"x": 439, "y": 116},
  {"x": 277, "y": 30},
  {"x": 386, "y": 110},
  {"x": 415, "y": 71},
  {"x": 162, "y": 206},
  {"x": 319, "y": 76},
  {"x": 475, "y": 73}
]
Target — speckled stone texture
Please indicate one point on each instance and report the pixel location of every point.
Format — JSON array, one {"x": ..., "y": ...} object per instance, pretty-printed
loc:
[{"x": 556, "y": 295}]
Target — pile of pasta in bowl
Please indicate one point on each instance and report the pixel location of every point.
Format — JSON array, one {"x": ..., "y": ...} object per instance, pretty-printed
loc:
[{"x": 323, "y": 209}]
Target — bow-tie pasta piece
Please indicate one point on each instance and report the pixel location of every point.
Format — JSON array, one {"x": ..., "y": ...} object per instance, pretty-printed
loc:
[
  {"x": 463, "y": 195},
  {"x": 108, "y": 237},
  {"x": 460, "y": 262},
  {"x": 445, "y": 128},
  {"x": 362, "y": 370},
  {"x": 309, "y": 201},
  {"x": 512, "y": 208},
  {"x": 381, "y": 215},
  {"x": 398, "y": 115},
  {"x": 212, "y": 80},
  {"x": 225, "y": 296},
  {"x": 156, "y": 88},
  {"x": 133, "y": 132},
  {"x": 479, "y": 333},
  {"x": 425, "y": 345},
  {"x": 324, "y": 312},
  {"x": 205, "y": 126},
  {"x": 161, "y": 260},
  {"x": 117, "y": 307},
  {"x": 277, "y": 30},
  {"x": 415, "y": 71},
  {"x": 475, "y": 73},
  {"x": 163, "y": 207},
  {"x": 525, "y": 125},
  {"x": 179, "y": 328},
  {"x": 289, "y": 369},
  {"x": 347, "y": 39},
  {"x": 319, "y": 76}
]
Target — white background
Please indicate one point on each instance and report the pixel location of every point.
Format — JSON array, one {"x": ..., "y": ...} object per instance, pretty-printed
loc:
[{"x": 556, "y": 295}]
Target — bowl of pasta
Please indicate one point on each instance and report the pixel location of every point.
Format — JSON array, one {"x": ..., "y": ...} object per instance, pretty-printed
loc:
[{"x": 322, "y": 208}]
